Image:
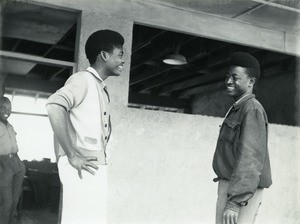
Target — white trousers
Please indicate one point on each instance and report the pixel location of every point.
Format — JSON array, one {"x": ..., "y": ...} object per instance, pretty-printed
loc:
[
  {"x": 247, "y": 214},
  {"x": 84, "y": 200}
]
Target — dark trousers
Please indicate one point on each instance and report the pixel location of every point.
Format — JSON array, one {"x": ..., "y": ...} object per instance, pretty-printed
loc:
[{"x": 12, "y": 171}]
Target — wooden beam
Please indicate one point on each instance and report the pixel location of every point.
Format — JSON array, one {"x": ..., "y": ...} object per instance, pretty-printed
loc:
[
  {"x": 143, "y": 76},
  {"x": 191, "y": 21},
  {"x": 271, "y": 57},
  {"x": 64, "y": 48},
  {"x": 29, "y": 114},
  {"x": 161, "y": 101},
  {"x": 216, "y": 86},
  {"x": 277, "y": 69},
  {"x": 281, "y": 67},
  {"x": 158, "y": 52},
  {"x": 202, "y": 89},
  {"x": 147, "y": 42},
  {"x": 223, "y": 56},
  {"x": 171, "y": 77},
  {"x": 209, "y": 77},
  {"x": 21, "y": 82},
  {"x": 14, "y": 91},
  {"x": 280, "y": 6},
  {"x": 36, "y": 59},
  {"x": 61, "y": 40},
  {"x": 57, "y": 73},
  {"x": 272, "y": 70},
  {"x": 179, "y": 75},
  {"x": 181, "y": 85},
  {"x": 248, "y": 11},
  {"x": 16, "y": 45}
]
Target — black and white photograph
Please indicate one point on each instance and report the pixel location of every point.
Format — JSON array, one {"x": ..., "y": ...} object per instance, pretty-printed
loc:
[{"x": 149, "y": 111}]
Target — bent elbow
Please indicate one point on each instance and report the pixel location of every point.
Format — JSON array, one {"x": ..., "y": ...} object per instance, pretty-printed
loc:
[
  {"x": 53, "y": 109},
  {"x": 50, "y": 108}
]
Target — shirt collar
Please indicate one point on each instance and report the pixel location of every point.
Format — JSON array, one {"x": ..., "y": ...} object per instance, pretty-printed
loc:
[
  {"x": 96, "y": 74},
  {"x": 239, "y": 102},
  {"x": 4, "y": 123}
]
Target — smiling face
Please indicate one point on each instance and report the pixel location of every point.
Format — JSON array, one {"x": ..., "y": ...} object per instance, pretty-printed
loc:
[
  {"x": 238, "y": 83},
  {"x": 114, "y": 62},
  {"x": 5, "y": 109}
]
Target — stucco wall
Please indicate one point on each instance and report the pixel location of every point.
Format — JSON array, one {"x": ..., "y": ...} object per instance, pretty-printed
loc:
[
  {"x": 160, "y": 170},
  {"x": 160, "y": 163},
  {"x": 281, "y": 201}
]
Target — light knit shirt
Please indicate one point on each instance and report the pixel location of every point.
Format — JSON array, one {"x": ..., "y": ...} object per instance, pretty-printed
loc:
[{"x": 85, "y": 97}]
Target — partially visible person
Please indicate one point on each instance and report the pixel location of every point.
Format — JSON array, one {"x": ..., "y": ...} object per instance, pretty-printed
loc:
[
  {"x": 241, "y": 160},
  {"x": 12, "y": 169},
  {"x": 79, "y": 114}
]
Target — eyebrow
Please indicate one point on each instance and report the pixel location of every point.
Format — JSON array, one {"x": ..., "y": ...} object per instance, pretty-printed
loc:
[{"x": 234, "y": 75}]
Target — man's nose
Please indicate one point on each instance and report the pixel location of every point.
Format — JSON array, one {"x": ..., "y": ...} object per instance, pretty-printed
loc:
[{"x": 228, "y": 80}]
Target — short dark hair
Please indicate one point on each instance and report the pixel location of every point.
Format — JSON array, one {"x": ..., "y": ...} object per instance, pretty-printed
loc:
[
  {"x": 102, "y": 40},
  {"x": 4, "y": 99},
  {"x": 246, "y": 61}
]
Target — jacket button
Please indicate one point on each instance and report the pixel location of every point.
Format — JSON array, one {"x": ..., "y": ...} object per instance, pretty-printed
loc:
[
  {"x": 105, "y": 125},
  {"x": 104, "y": 113}
]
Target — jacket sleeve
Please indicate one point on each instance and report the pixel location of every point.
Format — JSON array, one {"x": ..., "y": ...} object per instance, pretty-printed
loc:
[
  {"x": 252, "y": 151},
  {"x": 72, "y": 93}
]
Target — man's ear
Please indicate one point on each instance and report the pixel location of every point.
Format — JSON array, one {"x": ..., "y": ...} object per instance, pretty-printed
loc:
[
  {"x": 103, "y": 55},
  {"x": 252, "y": 81}
]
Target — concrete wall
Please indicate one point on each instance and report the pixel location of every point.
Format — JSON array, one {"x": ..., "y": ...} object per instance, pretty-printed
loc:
[
  {"x": 160, "y": 163},
  {"x": 160, "y": 170}
]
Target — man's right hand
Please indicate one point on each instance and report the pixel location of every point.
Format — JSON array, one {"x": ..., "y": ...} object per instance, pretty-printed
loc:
[
  {"x": 230, "y": 216},
  {"x": 83, "y": 163}
]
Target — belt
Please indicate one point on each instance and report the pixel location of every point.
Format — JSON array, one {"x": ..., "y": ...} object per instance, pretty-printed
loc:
[{"x": 10, "y": 155}]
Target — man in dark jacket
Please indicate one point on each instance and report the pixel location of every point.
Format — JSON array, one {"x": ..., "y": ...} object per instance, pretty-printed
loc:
[{"x": 241, "y": 160}]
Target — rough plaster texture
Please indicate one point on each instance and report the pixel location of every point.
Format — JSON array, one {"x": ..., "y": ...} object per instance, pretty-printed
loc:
[
  {"x": 160, "y": 162},
  {"x": 160, "y": 169},
  {"x": 281, "y": 201}
]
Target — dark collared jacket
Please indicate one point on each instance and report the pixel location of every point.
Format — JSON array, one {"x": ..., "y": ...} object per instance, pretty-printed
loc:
[{"x": 241, "y": 154}]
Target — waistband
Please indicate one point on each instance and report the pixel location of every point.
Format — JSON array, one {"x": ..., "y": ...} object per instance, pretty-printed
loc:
[
  {"x": 99, "y": 162},
  {"x": 219, "y": 179},
  {"x": 10, "y": 155}
]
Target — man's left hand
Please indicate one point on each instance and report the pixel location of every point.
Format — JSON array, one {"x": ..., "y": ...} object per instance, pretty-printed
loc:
[{"x": 230, "y": 216}]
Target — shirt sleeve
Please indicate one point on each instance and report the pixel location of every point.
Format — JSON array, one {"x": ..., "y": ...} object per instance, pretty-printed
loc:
[
  {"x": 252, "y": 149},
  {"x": 72, "y": 93}
]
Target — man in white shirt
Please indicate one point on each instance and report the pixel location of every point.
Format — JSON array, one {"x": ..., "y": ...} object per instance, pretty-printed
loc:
[{"x": 80, "y": 118}]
